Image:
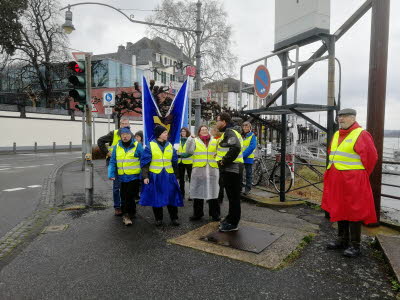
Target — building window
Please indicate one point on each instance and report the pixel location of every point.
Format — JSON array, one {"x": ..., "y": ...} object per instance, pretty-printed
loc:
[
  {"x": 165, "y": 61},
  {"x": 155, "y": 75},
  {"x": 158, "y": 57},
  {"x": 163, "y": 77}
]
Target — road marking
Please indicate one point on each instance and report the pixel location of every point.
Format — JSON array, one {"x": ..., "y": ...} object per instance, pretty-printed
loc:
[
  {"x": 14, "y": 189},
  {"x": 5, "y": 169},
  {"x": 34, "y": 186},
  {"x": 48, "y": 165},
  {"x": 26, "y": 167}
]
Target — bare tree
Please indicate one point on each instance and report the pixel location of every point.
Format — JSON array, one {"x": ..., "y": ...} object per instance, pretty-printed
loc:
[
  {"x": 217, "y": 58},
  {"x": 42, "y": 49}
]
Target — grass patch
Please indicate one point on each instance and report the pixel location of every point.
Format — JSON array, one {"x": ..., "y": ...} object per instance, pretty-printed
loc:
[{"x": 296, "y": 252}]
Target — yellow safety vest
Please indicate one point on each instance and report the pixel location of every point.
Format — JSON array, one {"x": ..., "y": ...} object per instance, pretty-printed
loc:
[
  {"x": 246, "y": 143},
  {"x": 203, "y": 155},
  {"x": 127, "y": 162},
  {"x": 187, "y": 160},
  {"x": 116, "y": 139},
  {"x": 161, "y": 160},
  {"x": 221, "y": 151},
  {"x": 343, "y": 156}
]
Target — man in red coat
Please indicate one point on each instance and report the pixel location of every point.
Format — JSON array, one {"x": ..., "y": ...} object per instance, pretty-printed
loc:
[{"x": 347, "y": 191}]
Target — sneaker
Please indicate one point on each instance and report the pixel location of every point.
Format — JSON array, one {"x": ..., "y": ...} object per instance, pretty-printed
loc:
[
  {"x": 126, "y": 220},
  {"x": 159, "y": 223},
  {"x": 226, "y": 227},
  {"x": 175, "y": 222},
  {"x": 117, "y": 212},
  {"x": 352, "y": 251},
  {"x": 246, "y": 192},
  {"x": 337, "y": 245},
  {"x": 195, "y": 218},
  {"x": 216, "y": 219}
]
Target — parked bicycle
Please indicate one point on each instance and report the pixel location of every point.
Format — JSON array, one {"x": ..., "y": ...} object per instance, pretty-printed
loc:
[{"x": 262, "y": 170}]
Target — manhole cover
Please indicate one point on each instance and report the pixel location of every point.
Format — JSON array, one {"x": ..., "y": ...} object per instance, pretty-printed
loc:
[
  {"x": 54, "y": 228},
  {"x": 246, "y": 238}
]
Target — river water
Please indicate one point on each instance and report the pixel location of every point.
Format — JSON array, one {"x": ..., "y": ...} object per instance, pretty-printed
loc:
[{"x": 391, "y": 207}]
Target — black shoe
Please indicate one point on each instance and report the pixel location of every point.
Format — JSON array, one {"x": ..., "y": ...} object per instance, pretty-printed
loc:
[
  {"x": 226, "y": 227},
  {"x": 195, "y": 218},
  {"x": 159, "y": 223},
  {"x": 352, "y": 251},
  {"x": 216, "y": 219},
  {"x": 337, "y": 245},
  {"x": 175, "y": 222}
]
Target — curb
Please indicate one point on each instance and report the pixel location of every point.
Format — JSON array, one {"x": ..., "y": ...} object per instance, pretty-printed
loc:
[{"x": 32, "y": 224}]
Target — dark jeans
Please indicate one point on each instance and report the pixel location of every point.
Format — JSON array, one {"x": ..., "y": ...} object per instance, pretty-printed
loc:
[
  {"x": 181, "y": 173},
  {"x": 213, "y": 208},
  {"x": 172, "y": 210},
  {"x": 232, "y": 186},
  {"x": 248, "y": 172},
  {"x": 349, "y": 232},
  {"x": 221, "y": 188},
  {"x": 129, "y": 191},
  {"x": 116, "y": 189}
]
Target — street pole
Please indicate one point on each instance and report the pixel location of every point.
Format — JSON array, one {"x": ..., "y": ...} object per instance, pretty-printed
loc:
[
  {"x": 88, "y": 155},
  {"x": 197, "y": 85},
  {"x": 83, "y": 138}
]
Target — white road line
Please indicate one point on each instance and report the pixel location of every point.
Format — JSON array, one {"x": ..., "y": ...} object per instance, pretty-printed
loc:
[
  {"x": 5, "y": 169},
  {"x": 14, "y": 189},
  {"x": 34, "y": 186},
  {"x": 48, "y": 165},
  {"x": 25, "y": 167}
]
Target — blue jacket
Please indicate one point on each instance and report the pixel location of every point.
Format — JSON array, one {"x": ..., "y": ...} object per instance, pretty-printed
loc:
[
  {"x": 112, "y": 167},
  {"x": 250, "y": 148}
]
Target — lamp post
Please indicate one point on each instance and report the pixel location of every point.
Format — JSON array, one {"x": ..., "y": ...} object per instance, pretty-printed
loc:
[{"x": 69, "y": 27}]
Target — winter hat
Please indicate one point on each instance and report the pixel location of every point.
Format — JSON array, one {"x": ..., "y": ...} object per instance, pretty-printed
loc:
[
  {"x": 158, "y": 130},
  {"x": 125, "y": 130}
]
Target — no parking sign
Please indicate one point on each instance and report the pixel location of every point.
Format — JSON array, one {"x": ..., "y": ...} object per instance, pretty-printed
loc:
[{"x": 262, "y": 81}]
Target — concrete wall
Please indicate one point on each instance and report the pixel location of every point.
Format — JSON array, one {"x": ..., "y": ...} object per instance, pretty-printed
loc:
[{"x": 27, "y": 131}]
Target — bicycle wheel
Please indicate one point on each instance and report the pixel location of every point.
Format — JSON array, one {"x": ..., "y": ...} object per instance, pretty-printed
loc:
[
  {"x": 257, "y": 172},
  {"x": 275, "y": 178}
]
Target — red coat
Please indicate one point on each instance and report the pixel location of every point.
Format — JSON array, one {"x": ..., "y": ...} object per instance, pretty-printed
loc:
[{"x": 347, "y": 194}]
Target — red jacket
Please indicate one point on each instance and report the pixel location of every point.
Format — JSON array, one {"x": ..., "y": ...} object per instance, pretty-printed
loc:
[{"x": 347, "y": 194}]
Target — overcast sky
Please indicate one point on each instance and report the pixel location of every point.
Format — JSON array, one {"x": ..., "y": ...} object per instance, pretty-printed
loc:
[{"x": 101, "y": 30}]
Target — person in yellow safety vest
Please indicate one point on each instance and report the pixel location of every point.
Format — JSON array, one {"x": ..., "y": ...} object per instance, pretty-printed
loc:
[
  {"x": 249, "y": 146},
  {"x": 112, "y": 139},
  {"x": 347, "y": 195},
  {"x": 205, "y": 174},
  {"x": 230, "y": 161},
  {"x": 184, "y": 160},
  {"x": 159, "y": 162},
  {"x": 125, "y": 165}
]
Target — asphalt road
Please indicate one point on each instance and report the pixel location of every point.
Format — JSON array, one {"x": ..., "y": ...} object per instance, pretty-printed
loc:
[{"x": 21, "y": 179}]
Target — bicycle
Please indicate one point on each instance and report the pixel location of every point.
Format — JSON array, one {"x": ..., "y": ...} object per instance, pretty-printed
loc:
[{"x": 261, "y": 171}]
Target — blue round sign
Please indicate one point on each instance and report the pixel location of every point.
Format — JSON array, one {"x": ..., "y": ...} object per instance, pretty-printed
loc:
[
  {"x": 262, "y": 81},
  {"x": 108, "y": 97}
]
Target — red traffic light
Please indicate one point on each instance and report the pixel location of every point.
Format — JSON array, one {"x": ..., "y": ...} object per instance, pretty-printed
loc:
[{"x": 77, "y": 67}]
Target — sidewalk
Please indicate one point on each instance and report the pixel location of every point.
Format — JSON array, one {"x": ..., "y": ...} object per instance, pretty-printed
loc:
[{"x": 95, "y": 257}]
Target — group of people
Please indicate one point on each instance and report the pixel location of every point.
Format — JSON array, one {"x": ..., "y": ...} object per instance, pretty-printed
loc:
[{"x": 213, "y": 162}]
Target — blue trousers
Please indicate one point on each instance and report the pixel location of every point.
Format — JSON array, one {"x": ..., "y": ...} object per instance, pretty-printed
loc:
[
  {"x": 116, "y": 193},
  {"x": 249, "y": 176}
]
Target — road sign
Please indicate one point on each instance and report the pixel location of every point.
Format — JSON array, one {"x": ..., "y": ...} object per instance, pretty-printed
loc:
[
  {"x": 201, "y": 94},
  {"x": 108, "y": 98},
  {"x": 262, "y": 81},
  {"x": 94, "y": 108},
  {"x": 191, "y": 71},
  {"x": 108, "y": 111}
]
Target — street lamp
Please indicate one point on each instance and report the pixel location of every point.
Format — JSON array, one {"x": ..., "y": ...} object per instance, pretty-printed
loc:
[{"x": 69, "y": 27}]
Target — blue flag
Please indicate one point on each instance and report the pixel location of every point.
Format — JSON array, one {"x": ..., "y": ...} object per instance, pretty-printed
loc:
[
  {"x": 149, "y": 111},
  {"x": 174, "y": 120}
]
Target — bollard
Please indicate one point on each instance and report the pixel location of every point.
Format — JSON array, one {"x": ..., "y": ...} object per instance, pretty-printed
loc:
[
  {"x": 54, "y": 146},
  {"x": 35, "y": 147},
  {"x": 15, "y": 147},
  {"x": 70, "y": 146}
]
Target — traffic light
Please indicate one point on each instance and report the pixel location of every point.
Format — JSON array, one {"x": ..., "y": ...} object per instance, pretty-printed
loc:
[{"x": 78, "y": 82}]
